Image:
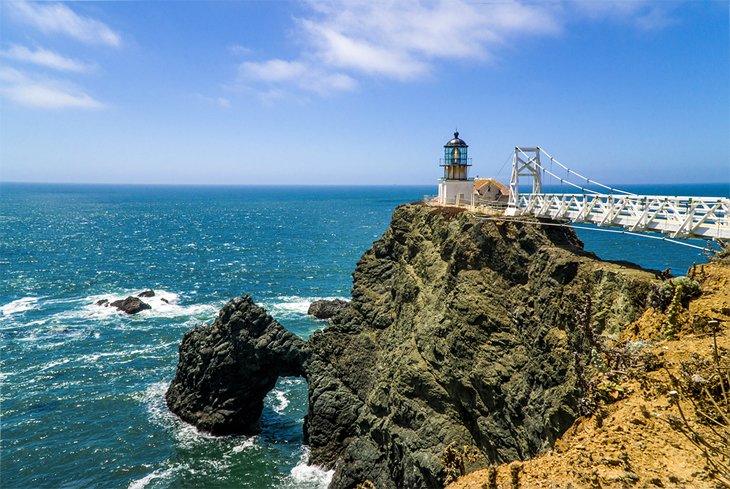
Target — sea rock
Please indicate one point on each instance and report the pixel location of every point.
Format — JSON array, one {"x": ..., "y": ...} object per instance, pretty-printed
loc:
[
  {"x": 225, "y": 369},
  {"x": 130, "y": 305},
  {"x": 102, "y": 302},
  {"x": 147, "y": 293},
  {"x": 326, "y": 308}
]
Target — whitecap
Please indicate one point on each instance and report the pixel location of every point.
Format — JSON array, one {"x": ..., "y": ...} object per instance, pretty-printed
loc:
[
  {"x": 279, "y": 401},
  {"x": 20, "y": 305},
  {"x": 157, "y": 474},
  {"x": 247, "y": 443},
  {"x": 55, "y": 363},
  {"x": 308, "y": 476},
  {"x": 163, "y": 304}
]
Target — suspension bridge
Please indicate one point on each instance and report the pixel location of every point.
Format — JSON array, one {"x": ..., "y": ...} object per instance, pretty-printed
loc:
[{"x": 677, "y": 217}]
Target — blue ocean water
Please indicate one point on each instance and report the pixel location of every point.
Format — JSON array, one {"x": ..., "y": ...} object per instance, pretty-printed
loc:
[{"x": 83, "y": 386}]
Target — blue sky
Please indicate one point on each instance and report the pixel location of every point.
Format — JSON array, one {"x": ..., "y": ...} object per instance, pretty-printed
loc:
[{"x": 361, "y": 92}]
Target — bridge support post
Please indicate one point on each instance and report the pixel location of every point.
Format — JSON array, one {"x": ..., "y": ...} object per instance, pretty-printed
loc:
[{"x": 526, "y": 163}]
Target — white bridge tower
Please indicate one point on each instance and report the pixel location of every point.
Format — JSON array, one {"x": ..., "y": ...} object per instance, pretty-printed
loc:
[{"x": 526, "y": 163}]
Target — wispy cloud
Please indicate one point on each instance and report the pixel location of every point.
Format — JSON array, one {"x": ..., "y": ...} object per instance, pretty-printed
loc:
[
  {"x": 646, "y": 15},
  {"x": 57, "y": 18},
  {"x": 44, "y": 57},
  {"x": 401, "y": 40},
  {"x": 345, "y": 41},
  {"x": 239, "y": 50},
  {"x": 24, "y": 90},
  {"x": 404, "y": 39},
  {"x": 305, "y": 75},
  {"x": 221, "y": 102}
]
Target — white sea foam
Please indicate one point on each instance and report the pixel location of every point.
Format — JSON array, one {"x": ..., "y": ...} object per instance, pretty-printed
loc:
[
  {"x": 292, "y": 306},
  {"x": 157, "y": 474},
  {"x": 19, "y": 305},
  {"x": 308, "y": 476},
  {"x": 55, "y": 363},
  {"x": 185, "y": 434},
  {"x": 279, "y": 401},
  {"x": 247, "y": 443},
  {"x": 163, "y": 304}
]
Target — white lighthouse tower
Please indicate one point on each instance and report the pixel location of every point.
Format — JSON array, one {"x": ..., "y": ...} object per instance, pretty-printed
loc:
[{"x": 455, "y": 187}]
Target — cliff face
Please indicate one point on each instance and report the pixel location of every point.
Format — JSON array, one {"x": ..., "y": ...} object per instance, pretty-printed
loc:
[{"x": 459, "y": 330}]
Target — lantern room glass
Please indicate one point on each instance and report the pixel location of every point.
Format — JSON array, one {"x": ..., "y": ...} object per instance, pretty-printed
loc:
[{"x": 456, "y": 155}]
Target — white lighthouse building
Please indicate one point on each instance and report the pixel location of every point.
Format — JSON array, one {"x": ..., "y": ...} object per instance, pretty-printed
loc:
[{"x": 455, "y": 187}]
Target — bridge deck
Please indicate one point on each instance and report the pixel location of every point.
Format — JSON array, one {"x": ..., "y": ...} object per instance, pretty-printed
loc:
[{"x": 680, "y": 217}]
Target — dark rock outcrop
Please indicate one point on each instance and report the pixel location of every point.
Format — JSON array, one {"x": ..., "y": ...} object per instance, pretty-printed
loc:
[
  {"x": 147, "y": 293},
  {"x": 459, "y": 330},
  {"x": 130, "y": 305},
  {"x": 102, "y": 302},
  {"x": 326, "y": 308},
  {"x": 226, "y": 369}
]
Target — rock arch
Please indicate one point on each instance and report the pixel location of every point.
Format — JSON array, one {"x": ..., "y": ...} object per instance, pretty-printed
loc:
[{"x": 226, "y": 369}]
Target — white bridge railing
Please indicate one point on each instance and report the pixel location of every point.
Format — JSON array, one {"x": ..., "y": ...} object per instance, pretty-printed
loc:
[{"x": 680, "y": 217}]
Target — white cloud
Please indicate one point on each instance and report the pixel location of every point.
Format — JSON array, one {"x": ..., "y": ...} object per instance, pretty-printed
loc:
[
  {"x": 345, "y": 40},
  {"x": 401, "y": 40},
  {"x": 57, "y": 18},
  {"x": 239, "y": 50},
  {"x": 646, "y": 15},
  {"x": 23, "y": 90},
  {"x": 274, "y": 70},
  {"x": 301, "y": 74},
  {"x": 221, "y": 102},
  {"x": 44, "y": 57}
]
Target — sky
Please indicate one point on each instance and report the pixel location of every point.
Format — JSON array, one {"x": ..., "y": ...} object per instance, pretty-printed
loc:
[{"x": 361, "y": 91}]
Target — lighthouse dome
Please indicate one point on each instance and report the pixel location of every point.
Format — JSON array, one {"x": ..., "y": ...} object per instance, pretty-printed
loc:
[{"x": 456, "y": 142}]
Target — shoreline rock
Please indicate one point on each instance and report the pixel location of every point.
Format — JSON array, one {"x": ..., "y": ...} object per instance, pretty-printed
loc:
[{"x": 327, "y": 308}]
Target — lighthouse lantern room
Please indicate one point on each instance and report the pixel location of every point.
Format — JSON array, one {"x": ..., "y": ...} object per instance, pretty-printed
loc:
[{"x": 455, "y": 187}]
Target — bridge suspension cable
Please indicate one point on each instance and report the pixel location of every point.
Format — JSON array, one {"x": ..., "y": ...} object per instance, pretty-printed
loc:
[
  {"x": 679, "y": 217},
  {"x": 588, "y": 180},
  {"x": 561, "y": 179}
]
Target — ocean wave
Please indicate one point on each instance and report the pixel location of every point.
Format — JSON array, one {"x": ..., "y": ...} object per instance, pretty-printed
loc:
[
  {"x": 308, "y": 476},
  {"x": 19, "y": 305},
  {"x": 156, "y": 474},
  {"x": 163, "y": 304},
  {"x": 185, "y": 434},
  {"x": 65, "y": 313},
  {"x": 278, "y": 400}
]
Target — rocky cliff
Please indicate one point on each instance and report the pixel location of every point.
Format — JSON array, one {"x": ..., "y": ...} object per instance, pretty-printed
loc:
[{"x": 460, "y": 330}]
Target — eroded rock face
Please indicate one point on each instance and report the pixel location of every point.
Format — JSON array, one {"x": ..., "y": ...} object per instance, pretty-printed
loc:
[
  {"x": 459, "y": 330},
  {"x": 326, "y": 308},
  {"x": 225, "y": 369}
]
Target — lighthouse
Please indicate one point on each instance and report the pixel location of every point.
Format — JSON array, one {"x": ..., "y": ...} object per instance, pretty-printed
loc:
[{"x": 455, "y": 187}]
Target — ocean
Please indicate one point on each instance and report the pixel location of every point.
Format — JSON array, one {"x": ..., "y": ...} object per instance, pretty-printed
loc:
[{"x": 82, "y": 386}]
